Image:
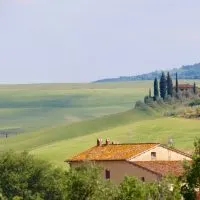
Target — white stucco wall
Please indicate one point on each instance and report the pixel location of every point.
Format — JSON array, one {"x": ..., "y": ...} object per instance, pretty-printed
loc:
[
  {"x": 120, "y": 169},
  {"x": 161, "y": 154}
]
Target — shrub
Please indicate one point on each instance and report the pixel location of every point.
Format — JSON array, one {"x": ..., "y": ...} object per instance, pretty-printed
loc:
[
  {"x": 195, "y": 102},
  {"x": 141, "y": 105}
]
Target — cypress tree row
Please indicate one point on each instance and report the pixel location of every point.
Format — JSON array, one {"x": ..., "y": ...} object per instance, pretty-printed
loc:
[
  {"x": 169, "y": 85},
  {"x": 176, "y": 83},
  {"x": 163, "y": 85},
  {"x": 156, "y": 90}
]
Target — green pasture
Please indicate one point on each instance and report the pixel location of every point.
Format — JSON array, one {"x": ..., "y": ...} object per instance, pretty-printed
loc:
[
  {"x": 182, "y": 131},
  {"x": 32, "y": 107}
]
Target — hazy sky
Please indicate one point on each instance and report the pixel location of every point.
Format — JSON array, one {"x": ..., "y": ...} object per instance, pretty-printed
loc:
[{"x": 85, "y": 40}]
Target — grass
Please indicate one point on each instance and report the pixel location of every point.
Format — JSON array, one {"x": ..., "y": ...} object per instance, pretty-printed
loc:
[
  {"x": 47, "y": 136},
  {"x": 33, "y": 107}
]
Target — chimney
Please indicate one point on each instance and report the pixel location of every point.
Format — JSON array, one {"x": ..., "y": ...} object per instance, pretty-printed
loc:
[
  {"x": 99, "y": 142},
  {"x": 107, "y": 141}
]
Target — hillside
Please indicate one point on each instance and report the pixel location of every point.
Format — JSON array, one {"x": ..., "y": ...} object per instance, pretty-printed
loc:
[
  {"x": 78, "y": 129},
  {"x": 185, "y": 72},
  {"x": 136, "y": 125},
  {"x": 29, "y": 108},
  {"x": 58, "y": 141}
]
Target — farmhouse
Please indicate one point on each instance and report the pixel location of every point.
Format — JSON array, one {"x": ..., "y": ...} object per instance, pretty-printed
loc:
[
  {"x": 185, "y": 87},
  {"x": 146, "y": 161}
]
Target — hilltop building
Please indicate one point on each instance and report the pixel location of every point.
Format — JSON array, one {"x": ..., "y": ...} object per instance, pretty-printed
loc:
[
  {"x": 185, "y": 87},
  {"x": 146, "y": 161}
]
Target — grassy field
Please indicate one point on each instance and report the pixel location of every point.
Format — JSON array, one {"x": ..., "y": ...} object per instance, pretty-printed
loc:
[
  {"x": 154, "y": 130},
  {"x": 32, "y": 107},
  {"x": 52, "y": 115}
]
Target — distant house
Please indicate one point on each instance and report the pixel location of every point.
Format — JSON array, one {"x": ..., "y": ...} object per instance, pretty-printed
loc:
[
  {"x": 185, "y": 87},
  {"x": 146, "y": 161}
]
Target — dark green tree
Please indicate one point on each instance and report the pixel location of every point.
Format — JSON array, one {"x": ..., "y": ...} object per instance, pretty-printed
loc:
[
  {"x": 163, "y": 86},
  {"x": 194, "y": 88},
  {"x": 176, "y": 82},
  {"x": 192, "y": 176},
  {"x": 156, "y": 90},
  {"x": 169, "y": 85},
  {"x": 25, "y": 177}
]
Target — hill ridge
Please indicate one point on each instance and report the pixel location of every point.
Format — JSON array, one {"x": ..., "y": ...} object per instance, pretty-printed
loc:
[{"x": 184, "y": 72}]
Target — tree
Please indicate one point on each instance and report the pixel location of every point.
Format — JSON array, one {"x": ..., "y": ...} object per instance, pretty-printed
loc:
[
  {"x": 25, "y": 177},
  {"x": 150, "y": 92},
  {"x": 131, "y": 188},
  {"x": 176, "y": 82},
  {"x": 194, "y": 88},
  {"x": 163, "y": 85},
  {"x": 168, "y": 188},
  {"x": 156, "y": 91},
  {"x": 192, "y": 175},
  {"x": 85, "y": 182},
  {"x": 169, "y": 85}
]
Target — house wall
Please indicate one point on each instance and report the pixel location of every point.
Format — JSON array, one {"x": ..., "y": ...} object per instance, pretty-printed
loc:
[
  {"x": 120, "y": 169},
  {"x": 161, "y": 154}
]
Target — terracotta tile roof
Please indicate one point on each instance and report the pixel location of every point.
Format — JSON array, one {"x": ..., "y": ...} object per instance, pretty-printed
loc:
[
  {"x": 185, "y": 86},
  {"x": 113, "y": 152},
  {"x": 162, "y": 168}
]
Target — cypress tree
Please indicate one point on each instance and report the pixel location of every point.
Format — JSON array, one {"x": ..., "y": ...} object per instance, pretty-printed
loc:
[
  {"x": 169, "y": 85},
  {"x": 176, "y": 83},
  {"x": 194, "y": 88},
  {"x": 163, "y": 85},
  {"x": 150, "y": 92},
  {"x": 156, "y": 91}
]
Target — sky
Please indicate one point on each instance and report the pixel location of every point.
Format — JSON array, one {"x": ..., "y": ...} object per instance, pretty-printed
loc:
[{"x": 85, "y": 40}]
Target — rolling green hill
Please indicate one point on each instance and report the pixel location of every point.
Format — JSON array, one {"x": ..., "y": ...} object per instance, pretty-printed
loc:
[
  {"x": 59, "y": 143},
  {"x": 33, "y": 107},
  {"x": 47, "y": 136},
  {"x": 153, "y": 130}
]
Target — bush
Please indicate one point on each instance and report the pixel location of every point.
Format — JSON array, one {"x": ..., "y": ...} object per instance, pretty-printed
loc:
[
  {"x": 141, "y": 105},
  {"x": 195, "y": 102}
]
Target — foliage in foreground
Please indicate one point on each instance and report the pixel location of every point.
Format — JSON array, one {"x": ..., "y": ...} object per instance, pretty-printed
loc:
[
  {"x": 25, "y": 177},
  {"x": 192, "y": 176}
]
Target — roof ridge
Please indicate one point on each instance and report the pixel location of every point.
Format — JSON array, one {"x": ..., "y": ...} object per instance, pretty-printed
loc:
[
  {"x": 133, "y": 143},
  {"x": 154, "y": 161}
]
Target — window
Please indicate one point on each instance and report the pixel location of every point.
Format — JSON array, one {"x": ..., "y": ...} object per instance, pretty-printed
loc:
[
  {"x": 153, "y": 155},
  {"x": 107, "y": 174},
  {"x": 142, "y": 179}
]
